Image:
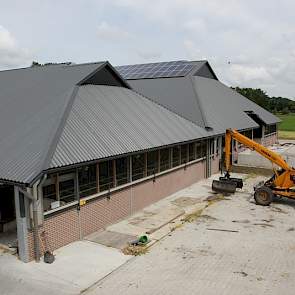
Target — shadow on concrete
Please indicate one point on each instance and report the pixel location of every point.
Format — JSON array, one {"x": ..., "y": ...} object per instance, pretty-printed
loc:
[{"x": 284, "y": 201}]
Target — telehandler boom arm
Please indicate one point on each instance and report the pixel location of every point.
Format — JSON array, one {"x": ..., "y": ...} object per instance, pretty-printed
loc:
[{"x": 262, "y": 150}]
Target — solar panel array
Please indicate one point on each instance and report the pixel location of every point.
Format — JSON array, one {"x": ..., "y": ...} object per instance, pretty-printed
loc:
[{"x": 156, "y": 70}]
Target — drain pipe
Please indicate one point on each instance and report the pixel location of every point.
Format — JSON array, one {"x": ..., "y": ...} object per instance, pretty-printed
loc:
[
  {"x": 34, "y": 199},
  {"x": 37, "y": 189}
]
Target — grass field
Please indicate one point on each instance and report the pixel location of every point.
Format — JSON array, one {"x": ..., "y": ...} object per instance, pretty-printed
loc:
[{"x": 287, "y": 126}]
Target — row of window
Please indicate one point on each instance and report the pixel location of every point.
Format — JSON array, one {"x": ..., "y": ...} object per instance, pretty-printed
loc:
[
  {"x": 270, "y": 129},
  {"x": 61, "y": 188}
]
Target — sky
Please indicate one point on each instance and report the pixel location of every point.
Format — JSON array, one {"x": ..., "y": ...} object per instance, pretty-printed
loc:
[{"x": 248, "y": 43}]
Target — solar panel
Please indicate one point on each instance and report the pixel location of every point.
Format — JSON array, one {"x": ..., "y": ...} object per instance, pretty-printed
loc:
[{"x": 156, "y": 70}]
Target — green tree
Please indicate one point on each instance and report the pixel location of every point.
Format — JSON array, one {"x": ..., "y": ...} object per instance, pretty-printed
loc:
[{"x": 272, "y": 104}]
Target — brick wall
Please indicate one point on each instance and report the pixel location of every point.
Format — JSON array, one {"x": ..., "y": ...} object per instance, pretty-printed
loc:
[
  {"x": 66, "y": 226},
  {"x": 215, "y": 165},
  {"x": 270, "y": 139}
]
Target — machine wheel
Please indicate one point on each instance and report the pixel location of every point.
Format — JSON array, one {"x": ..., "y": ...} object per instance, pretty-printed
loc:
[{"x": 263, "y": 196}]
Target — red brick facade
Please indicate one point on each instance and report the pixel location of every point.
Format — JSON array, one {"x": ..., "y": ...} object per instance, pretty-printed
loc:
[
  {"x": 70, "y": 225},
  {"x": 270, "y": 139}
]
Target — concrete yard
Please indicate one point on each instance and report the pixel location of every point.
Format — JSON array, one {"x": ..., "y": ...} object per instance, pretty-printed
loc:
[
  {"x": 234, "y": 247},
  {"x": 202, "y": 243},
  {"x": 77, "y": 266}
]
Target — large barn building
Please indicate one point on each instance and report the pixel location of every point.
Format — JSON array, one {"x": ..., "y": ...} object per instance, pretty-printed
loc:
[{"x": 81, "y": 147}]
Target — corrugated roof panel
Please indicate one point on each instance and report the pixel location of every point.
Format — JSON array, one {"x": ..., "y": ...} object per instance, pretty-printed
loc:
[
  {"x": 224, "y": 107},
  {"x": 33, "y": 102},
  {"x": 107, "y": 121},
  {"x": 177, "y": 94}
]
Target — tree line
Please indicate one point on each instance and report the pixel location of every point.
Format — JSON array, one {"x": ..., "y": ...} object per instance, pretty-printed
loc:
[{"x": 273, "y": 104}]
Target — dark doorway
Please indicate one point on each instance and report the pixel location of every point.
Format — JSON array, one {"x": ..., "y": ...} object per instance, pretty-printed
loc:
[
  {"x": 7, "y": 216},
  {"x": 257, "y": 132}
]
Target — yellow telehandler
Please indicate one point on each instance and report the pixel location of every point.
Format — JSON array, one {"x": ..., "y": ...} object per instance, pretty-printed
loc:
[{"x": 281, "y": 184}]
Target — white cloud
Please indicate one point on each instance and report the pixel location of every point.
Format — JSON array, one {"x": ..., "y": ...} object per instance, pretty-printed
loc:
[
  {"x": 260, "y": 49},
  {"x": 196, "y": 25},
  {"x": 11, "y": 54},
  {"x": 256, "y": 37},
  {"x": 192, "y": 51},
  {"x": 149, "y": 55},
  {"x": 110, "y": 32},
  {"x": 248, "y": 73}
]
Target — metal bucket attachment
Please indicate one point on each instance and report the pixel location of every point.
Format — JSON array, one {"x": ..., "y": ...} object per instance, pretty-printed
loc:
[
  {"x": 224, "y": 186},
  {"x": 238, "y": 181}
]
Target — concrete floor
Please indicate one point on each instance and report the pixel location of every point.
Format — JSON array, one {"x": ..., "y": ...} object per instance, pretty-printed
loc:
[
  {"x": 77, "y": 266},
  {"x": 111, "y": 239},
  {"x": 158, "y": 219},
  {"x": 9, "y": 238},
  {"x": 235, "y": 247}
]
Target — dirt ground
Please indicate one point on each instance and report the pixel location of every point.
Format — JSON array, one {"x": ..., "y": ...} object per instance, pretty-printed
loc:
[{"x": 233, "y": 247}]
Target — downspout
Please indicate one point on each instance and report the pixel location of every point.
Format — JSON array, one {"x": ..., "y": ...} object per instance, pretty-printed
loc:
[{"x": 37, "y": 187}]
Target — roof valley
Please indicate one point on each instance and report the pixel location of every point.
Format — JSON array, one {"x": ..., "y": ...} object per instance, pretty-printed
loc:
[{"x": 58, "y": 131}]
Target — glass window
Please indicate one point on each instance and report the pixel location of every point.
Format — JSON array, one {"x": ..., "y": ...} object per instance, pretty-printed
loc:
[
  {"x": 49, "y": 192},
  {"x": 273, "y": 128},
  {"x": 164, "y": 159},
  {"x": 106, "y": 180},
  {"x": 67, "y": 190},
  {"x": 211, "y": 146},
  {"x": 67, "y": 186},
  {"x": 183, "y": 153},
  {"x": 198, "y": 147},
  {"x": 138, "y": 166},
  {"x": 270, "y": 129},
  {"x": 175, "y": 156},
  {"x": 191, "y": 148},
  {"x": 203, "y": 148},
  {"x": 152, "y": 162},
  {"x": 122, "y": 171},
  {"x": 87, "y": 180},
  {"x": 57, "y": 194},
  {"x": 218, "y": 145},
  {"x": 248, "y": 133}
]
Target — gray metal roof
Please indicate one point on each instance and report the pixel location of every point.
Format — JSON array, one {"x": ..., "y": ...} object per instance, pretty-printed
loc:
[
  {"x": 177, "y": 94},
  {"x": 107, "y": 121},
  {"x": 225, "y": 108},
  {"x": 204, "y": 101},
  {"x": 48, "y": 119},
  {"x": 33, "y": 102}
]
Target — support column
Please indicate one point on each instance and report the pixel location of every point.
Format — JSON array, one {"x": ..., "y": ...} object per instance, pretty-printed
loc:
[
  {"x": 159, "y": 161},
  {"x": 114, "y": 173},
  {"x": 57, "y": 187},
  {"x": 208, "y": 158},
  {"x": 145, "y": 165},
  {"x": 97, "y": 178},
  {"x": 22, "y": 226},
  {"x": 263, "y": 135},
  {"x": 131, "y": 187},
  {"x": 171, "y": 157},
  {"x": 130, "y": 168},
  {"x": 179, "y": 155}
]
